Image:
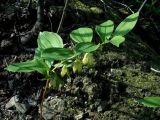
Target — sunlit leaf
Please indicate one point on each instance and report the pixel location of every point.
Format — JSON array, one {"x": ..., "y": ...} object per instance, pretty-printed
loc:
[
  {"x": 82, "y": 35},
  {"x": 117, "y": 40},
  {"x": 86, "y": 47},
  {"x": 57, "y": 53},
  {"x": 150, "y": 101},
  {"x": 105, "y": 30},
  {"x": 49, "y": 40},
  {"x": 126, "y": 25},
  {"x": 29, "y": 66},
  {"x": 37, "y": 55}
]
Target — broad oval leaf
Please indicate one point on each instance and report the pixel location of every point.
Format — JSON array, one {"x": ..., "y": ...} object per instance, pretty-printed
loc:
[
  {"x": 37, "y": 55},
  {"x": 57, "y": 53},
  {"x": 105, "y": 30},
  {"x": 86, "y": 47},
  {"x": 83, "y": 34},
  {"x": 29, "y": 66},
  {"x": 49, "y": 39},
  {"x": 126, "y": 25},
  {"x": 150, "y": 101},
  {"x": 117, "y": 40}
]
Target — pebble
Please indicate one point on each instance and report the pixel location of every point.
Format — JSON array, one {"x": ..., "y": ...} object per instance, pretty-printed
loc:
[
  {"x": 20, "y": 107},
  {"x": 52, "y": 106},
  {"x": 79, "y": 116}
]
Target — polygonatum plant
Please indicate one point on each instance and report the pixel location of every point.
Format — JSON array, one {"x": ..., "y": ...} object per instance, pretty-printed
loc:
[{"x": 51, "y": 53}]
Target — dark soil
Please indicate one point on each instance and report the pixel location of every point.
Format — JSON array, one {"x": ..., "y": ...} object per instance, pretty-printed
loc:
[{"x": 106, "y": 92}]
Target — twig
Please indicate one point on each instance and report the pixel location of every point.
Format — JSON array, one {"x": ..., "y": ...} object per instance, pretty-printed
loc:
[
  {"x": 104, "y": 6},
  {"x": 123, "y": 5},
  {"x": 49, "y": 20},
  {"x": 38, "y": 25},
  {"x": 154, "y": 70},
  {"x": 142, "y": 5},
  {"x": 44, "y": 93},
  {"x": 29, "y": 4},
  {"x": 62, "y": 17}
]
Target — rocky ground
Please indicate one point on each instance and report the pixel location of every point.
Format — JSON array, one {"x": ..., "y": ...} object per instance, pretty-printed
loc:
[{"x": 108, "y": 91}]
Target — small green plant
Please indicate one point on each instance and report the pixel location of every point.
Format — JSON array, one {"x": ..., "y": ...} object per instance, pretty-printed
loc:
[{"x": 51, "y": 54}]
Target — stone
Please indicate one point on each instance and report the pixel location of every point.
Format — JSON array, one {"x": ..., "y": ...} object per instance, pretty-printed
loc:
[
  {"x": 20, "y": 107},
  {"x": 5, "y": 43},
  {"x": 51, "y": 107},
  {"x": 79, "y": 116},
  {"x": 99, "y": 109}
]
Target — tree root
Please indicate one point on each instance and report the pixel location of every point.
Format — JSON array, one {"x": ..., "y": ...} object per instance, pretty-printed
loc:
[{"x": 38, "y": 25}]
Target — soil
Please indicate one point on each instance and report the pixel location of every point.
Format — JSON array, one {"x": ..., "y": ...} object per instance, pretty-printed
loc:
[{"x": 108, "y": 91}]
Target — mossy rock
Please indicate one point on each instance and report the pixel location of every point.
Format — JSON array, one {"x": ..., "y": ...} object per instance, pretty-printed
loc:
[{"x": 119, "y": 81}]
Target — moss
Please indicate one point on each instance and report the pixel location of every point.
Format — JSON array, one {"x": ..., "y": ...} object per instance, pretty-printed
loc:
[
  {"x": 135, "y": 83},
  {"x": 78, "y": 5}
]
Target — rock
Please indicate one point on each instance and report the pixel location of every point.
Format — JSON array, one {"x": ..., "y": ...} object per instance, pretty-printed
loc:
[
  {"x": 91, "y": 89},
  {"x": 51, "y": 107},
  {"x": 33, "y": 99},
  {"x": 5, "y": 44},
  {"x": 32, "y": 102},
  {"x": 29, "y": 117},
  {"x": 86, "y": 81},
  {"x": 10, "y": 84},
  {"x": 20, "y": 107},
  {"x": 97, "y": 102},
  {"x": 23, "y": 108},
  {"x": 115, "y": 72},
  {"x": 99, "y": 109},
  {"x": 88, "y": 119},
  {"x": 91, "y": 107},
  {"x": 102, "y": 107},
  {"x": 78, "y": 82},
  {"x": 11, "y": 102},
  {"x": 79, "y": 116}
]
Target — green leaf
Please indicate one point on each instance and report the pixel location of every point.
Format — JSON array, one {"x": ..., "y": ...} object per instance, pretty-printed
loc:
[
  {"x": 49, "y": 62},
  {"x": 105, "y": 30},
  {"x": 29, "y": 66},
  {"x": 86, "y": 47},
  {"x": 82, "y": 35},
  {"x": 49, "y": 40},
  {"x": 150, "y": 101},
  {"x": 56, "y": 81},
  {"x": 37, "y": 54},
  {"x": 57, "y": 53},
  {"x": 117, "y": 40},
  {"x": 126, "y": 25}
]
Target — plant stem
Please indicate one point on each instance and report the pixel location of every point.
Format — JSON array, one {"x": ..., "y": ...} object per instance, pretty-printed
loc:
[
  {"x": 142, "y": 5},
  {"x": 61, "y": 21},
  {"x": 44, "y": 93}
]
